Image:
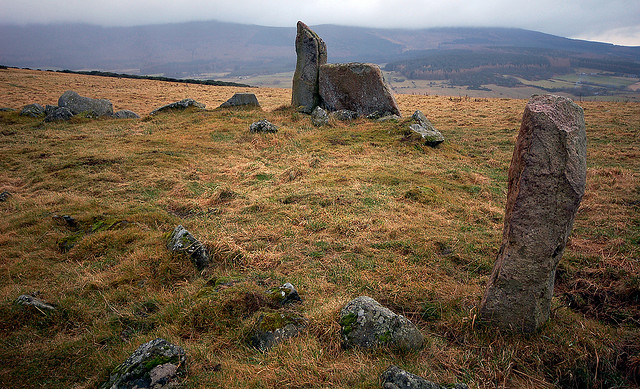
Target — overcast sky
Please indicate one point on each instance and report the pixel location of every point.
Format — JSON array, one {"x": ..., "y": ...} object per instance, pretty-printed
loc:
[{"x": 614, "y": 21}]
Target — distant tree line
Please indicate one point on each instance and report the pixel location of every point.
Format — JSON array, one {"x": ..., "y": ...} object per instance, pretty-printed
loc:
[{"x": 156, "y": 78}]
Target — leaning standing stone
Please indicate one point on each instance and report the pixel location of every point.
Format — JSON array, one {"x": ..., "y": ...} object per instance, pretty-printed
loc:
[
  {"x": 311, "y": 52},
  {"x": 547, "y": 179},
  {"x": 365, "y": 323},
  {"x": 155, "y": 364}
]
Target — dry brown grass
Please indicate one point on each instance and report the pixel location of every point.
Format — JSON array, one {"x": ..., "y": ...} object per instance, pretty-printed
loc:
[{"x": 340, "y": 211}]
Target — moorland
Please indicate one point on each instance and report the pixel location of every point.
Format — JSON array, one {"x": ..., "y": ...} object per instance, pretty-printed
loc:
[{"x": 339, "y": 211}]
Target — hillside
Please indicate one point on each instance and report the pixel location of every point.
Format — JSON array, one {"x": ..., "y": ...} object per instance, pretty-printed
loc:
[
  {"x": 473, "y": 59},
  {"x": 342, "y": 211}
]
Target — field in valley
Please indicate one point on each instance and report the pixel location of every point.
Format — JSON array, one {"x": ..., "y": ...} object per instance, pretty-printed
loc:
[{"x": 340, "y": 211}]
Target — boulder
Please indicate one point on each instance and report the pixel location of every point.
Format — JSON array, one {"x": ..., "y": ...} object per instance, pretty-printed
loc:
[
  {"x": 179, "y": 105},
  {"x": 396, "y": 378},
  {"x": 263, "y": 126},
  {"x": 155, "y": 364},
  {"x": 367, "y": 324},
  {"x": 319, "y": 117},
  {"x": 182, "y": 242},
  {"x": 241, "y": 100},
  {"x": 32, "y": 110},
  {"x": 357, "y": 87},
  {"x": 33, "y": 301},
  {"x": 547, "y": 180},
  {"x": 311, "y": 53},
  {"x": 126, "y": 114},
  {"x": 274, "y": 327},
  {"x": 283, "y": 295},
  {"x": 58, "y": 114},
  {"x": 344, "y": 115},
  {"x": 85, "y": 105}
]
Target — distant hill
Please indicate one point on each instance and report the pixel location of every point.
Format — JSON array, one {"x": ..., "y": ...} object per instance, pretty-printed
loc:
[{"x": 464, "y": 56}]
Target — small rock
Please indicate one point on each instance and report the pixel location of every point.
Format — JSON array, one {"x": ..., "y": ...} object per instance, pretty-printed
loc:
[
  {"x": 58, "y": 114},
  {"x": 241, "y": 100},
  {"x": 426, "y": 130},
  {"x": 181, "y": 241},
  {"x": 4, "y": 196},
  {"x": 365, "y": 323},
  {"x": 274, "y": 327},
  {"x": 263, "y": 126},
  {"x": 284, "y": 294},
  {"x": 344, "y": 115},
  {"x": 182, "y": 104},
  {"x": 31, "y": 300},
  {"x": 126, "y": 114},
  {"x": 319, "y": 117},
  {"x": 387, "y": 118},
  {"x": 396, "y": 378},
  {"x": 153, "y": 365},
  {"x": 32, "y": 110}
]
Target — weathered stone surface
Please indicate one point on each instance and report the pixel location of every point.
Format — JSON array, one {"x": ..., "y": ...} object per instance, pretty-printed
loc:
[
  {"x": 311, "y": 53},
  {"x": 547, "y": 179},
  {"x": 241, "y": 100},
  {"x": 49, "y": 109},
  {"x": 283, "y": 295},
  {"x": 30, "y": 300},
  {"x": 319, "y": 117},
  {"x": 32, "y": 110},
  {"x": 365, "y": 323},
  {"x": 181, "y": 241},
  {"x": 58, "y": 114},
  {"x": 126, "y": 114},
  {"x": 358, "y": 87},
  {"x": 344, "y": 115},
  {"x": 85, "y": 105},
  {"x": 179, "y": 105},
  {"x": 274, "y": 327},
  {"x": 396, "y": 378},
  {"x": 263, "y": 126},
  {"x": 153, "y": 365}
]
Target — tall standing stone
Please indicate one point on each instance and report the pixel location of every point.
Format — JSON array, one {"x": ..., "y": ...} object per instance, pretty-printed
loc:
[
  {"x": 547, "y": 179},
  {"x": 311, "y": 52}
]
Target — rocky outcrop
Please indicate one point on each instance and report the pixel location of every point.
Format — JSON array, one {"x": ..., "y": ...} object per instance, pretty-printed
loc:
[
  {"x": 263, "y": 126},
  {"x": 367, "y": 324},
  {"x": 241, "y": 100},
  {"x": 126, "y": 114},
  {"x": 55, "y": 114},
  {"x": 85, "y": 105},
  {"x": 357, "y": 87},
  {"x": 311, "y": 53},
  {"x": 547, "y": 179},
  {"x": 179, "y": 105},
  {"x": 182, "y": 242},
  {"x": 423, "y": 127},
  {"x": 396, "y": 378},
  {"x": 32, "y": 110},
  {"x": 155, "y": 365}
]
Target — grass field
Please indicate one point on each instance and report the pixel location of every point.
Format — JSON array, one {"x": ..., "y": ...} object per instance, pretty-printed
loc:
[{"x": 340, "y": 211}]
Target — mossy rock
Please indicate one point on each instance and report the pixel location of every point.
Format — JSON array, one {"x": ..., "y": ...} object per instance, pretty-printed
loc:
[{"x": 273, "y": 327}]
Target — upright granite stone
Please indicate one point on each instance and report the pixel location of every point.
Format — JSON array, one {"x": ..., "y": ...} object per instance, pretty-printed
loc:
[
  {"x": 85, "y": 105},
  {"x": 311, "y": 53},
  {"x": 358, "y": 87},
  {"x": 547, "y": 179}
]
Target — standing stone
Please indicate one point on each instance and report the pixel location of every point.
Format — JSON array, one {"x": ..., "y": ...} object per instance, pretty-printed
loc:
[
  {"x": 358, "y": 87},
  {"x": 547, "y": 179},
  {"x": 311, "y": 53}
]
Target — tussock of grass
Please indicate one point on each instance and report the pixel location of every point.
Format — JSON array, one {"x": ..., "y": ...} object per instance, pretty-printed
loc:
[{"x": 339, "y": 211}]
